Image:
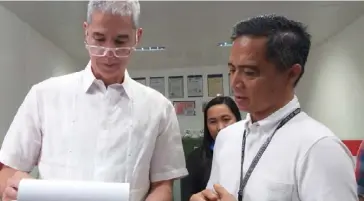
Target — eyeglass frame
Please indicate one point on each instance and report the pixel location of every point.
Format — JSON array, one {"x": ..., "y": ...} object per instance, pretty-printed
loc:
[{"x": 112, "y": 49}]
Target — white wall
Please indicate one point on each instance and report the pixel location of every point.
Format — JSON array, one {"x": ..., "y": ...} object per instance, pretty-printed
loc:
[
  {"x": 333, "y": 87},
  {"x": 188, "y": 122},
  {"x": 25, "y": 59},
  {"x": 331, "y": 91}
]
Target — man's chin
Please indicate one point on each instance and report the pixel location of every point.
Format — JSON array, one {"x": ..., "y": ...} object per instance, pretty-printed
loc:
[
  {"x": 110, "y": 69},
  {"x": 243, "y": 108},
  {"x": 110, "y": 66}
]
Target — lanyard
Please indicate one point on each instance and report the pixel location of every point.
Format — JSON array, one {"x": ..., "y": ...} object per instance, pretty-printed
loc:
[{"x": 244, "y": 180}]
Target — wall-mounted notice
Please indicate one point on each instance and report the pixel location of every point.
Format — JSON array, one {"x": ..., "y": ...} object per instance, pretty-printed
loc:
[
  {"x": 158, "y": 84},
  {"x": 175, "y": 87},
  {"x": 141, "y": 80},
  {"x": 185, "y": 108},
  {"x": 195, "y": 86},
  {"x": 215, "y": 85}
]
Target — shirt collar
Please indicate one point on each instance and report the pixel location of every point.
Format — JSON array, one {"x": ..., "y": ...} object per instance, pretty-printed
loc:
[
  {"x": 270, "y": 122},
  {"x": 89, "y": 79}
]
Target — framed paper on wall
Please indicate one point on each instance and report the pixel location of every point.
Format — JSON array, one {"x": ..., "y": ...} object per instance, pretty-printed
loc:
[
  {"x": 158, "y": 84},
  {"x": 175, "y": 87},
  {"x": 185, "y": 108},
  {"x": 195, "y": 86},
  {"x": 215, "y": 85},
  {"x": 141, "y": 80}
]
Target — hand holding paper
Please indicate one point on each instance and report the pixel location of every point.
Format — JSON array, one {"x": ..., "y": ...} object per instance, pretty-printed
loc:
[{"x": 11, "y": 189}]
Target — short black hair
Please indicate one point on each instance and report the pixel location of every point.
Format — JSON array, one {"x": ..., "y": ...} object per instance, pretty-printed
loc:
[{"x": 288, "y": 40}]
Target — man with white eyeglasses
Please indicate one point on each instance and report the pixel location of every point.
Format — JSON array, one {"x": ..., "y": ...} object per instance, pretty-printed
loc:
[{"x": 97, "y": 124}]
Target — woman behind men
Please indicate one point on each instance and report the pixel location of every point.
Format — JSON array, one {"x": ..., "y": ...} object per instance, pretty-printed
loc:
[{"x": 219, "y": 113}]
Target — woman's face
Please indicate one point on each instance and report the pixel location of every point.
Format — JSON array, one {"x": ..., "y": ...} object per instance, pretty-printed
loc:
[{"x": 219, "y": 117}]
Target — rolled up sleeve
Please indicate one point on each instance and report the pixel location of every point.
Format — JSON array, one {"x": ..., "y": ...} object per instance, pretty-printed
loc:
[
  {"x": 360, "y": 170},
  {"x": 168, "y": 160},
  {"x": 21, "y": 146}
]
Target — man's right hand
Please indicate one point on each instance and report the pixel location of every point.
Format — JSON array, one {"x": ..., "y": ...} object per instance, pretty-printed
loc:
[
  {"x": 11, "y": 189},
  {"x": 205, "y": 195}
]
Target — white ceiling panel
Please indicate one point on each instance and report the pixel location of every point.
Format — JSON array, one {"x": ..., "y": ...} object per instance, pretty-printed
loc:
[{"x": 189, "y": 30}]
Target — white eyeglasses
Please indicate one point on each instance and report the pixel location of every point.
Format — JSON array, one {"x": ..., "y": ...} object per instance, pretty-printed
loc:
[
  {"x": 101, "y": 51},
  {"x": 119, "y": 52}
]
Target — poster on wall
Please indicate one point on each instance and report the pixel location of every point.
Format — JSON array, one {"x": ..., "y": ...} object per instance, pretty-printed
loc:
[
  {"x": 215, "y": 85},
  {"x": 175, "y": 87},
  {"x": 195, "y": 86},
  {"x": 185, "y": 108},
  {"x": 141, "y": 80},
  {"x": 158, "y": 84}
]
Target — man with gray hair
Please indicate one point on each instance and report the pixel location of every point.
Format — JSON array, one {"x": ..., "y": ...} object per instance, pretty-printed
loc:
[{"x": 97, "y": 124}]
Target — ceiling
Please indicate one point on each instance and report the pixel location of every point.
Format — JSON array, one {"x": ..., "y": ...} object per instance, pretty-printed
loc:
[{"x": 189, "y": 30}]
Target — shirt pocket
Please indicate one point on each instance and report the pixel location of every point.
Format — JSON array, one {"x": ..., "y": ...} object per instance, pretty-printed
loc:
[
  {"x": 266, "y": 188},
  {"x": 279, "y": 191}
]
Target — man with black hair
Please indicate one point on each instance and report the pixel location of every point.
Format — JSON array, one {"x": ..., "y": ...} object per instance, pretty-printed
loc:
[{"x": 278, "y": 153}]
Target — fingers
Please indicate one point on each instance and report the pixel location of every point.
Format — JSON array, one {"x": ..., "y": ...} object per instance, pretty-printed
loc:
[
  {"x": 210, "y": 195},
  {"x": 221, "y": 191},
  {"x": 10, "y": 194},
  {"x": 205, "y": 195},
  {"x": 197, "y": 197},
  {"x": 11, "y": 190},
  {"x": 13, "y": 183}
]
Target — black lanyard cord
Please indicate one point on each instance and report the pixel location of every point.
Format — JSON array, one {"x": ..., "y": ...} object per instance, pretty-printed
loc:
[{"x": 244, "y": 179}]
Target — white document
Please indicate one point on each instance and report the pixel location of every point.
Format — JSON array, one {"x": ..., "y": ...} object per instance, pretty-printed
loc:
[{"x": 54, "y": 190}]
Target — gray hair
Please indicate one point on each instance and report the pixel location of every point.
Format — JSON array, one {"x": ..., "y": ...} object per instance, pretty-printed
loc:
[{"x": 120, "y": 7}]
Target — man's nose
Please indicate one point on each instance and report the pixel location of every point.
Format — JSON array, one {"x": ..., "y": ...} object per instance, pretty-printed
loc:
[
  {"x": 235, "y": 81},
  {"x": 109, "y": 53}
]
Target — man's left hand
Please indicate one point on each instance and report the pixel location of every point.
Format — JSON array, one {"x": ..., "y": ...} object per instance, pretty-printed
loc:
[{"x": 223, "y": 194}]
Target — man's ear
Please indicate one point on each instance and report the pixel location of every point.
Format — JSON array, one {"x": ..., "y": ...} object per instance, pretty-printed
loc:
[
  {"x": 294, "y": 73},
  {"x": 139, "y": 35},
  {"x": 85, "y": 27}
]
